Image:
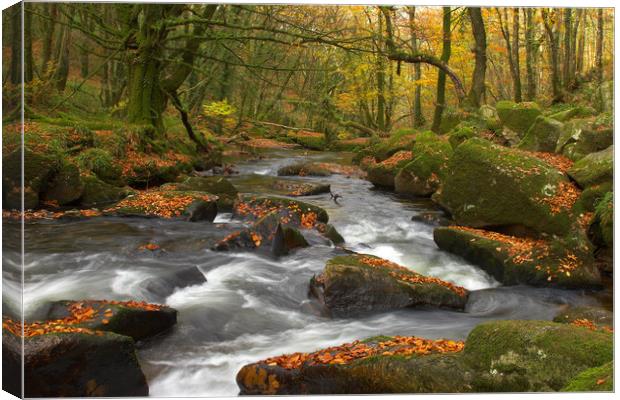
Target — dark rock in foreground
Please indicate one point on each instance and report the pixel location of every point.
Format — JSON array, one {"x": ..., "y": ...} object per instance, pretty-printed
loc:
[
  {"x": 165, "y": 284},
  {"x": 355, "y": 284},
  {"x": 498, "y": 356}
]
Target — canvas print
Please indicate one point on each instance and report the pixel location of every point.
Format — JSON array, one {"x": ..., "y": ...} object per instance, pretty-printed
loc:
[{"x": 208, "y": 200}]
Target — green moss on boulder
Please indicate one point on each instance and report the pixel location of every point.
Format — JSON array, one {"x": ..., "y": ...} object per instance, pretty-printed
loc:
[
  {"x": 597, "y": 379},
  {"x": 543, "y": 135},
  {"x": 490, "y": 185},
  {"x": 66, "y": 186},
  {"x": 593, "y": 169},
  {"x": 355, "y": 284},
  {"x": 216, "y": 185},
  {"x": 603, "y": 224},
  {"x": 581, "y": 137},
  {"x": 101, "y": 163},
  {"x": 96, "y": 192},
  {"x": 461, "y": 134},
  {"x": 304, "y": 169},
  {"x": 519, "y": 117},
  {"x": 383, "y": 174},
  {"x": 533, "y": 356}
]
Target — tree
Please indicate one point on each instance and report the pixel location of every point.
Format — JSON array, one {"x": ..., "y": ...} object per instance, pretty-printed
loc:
[
  {"x": 599, "y": 45},
  {"x": 531, "y": 48},
  {"x": 550, "y": 23},
  {"x": 476, "y": 93},
  {"x": 440, "y": 101},
  {"x": 418, "y": 118}
]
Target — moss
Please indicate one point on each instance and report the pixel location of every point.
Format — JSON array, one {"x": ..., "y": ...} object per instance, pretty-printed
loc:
[
  {"x": 543, "y": 135},
  {"x": 533, "y": 355},
  {"x": 382, "y": 149},
  {"x": 597, "y": 379},
  {"x": 604, "y": 220},
  {"x": 313, "y": 142},
  {"x": 217, "y": 185},
  {"x": 101, "y": 163},
  {"x": 594, "y": 169},
  {"x": 299, "y": 206},
  {"x": 599, "y": 316},
  {"x": 66, "y": 185},
  {"x": 490, "y": 185},
  {"x": 581, "y": 137},
  {"x": 459, "y": 135},
  {"x": 98, "y": 193},
  {"x": 303, "y": 169},
  {"x": 572, "y": 112},
  {"x": 518, "y": 117},
  {"x": 592, "y": 195}
]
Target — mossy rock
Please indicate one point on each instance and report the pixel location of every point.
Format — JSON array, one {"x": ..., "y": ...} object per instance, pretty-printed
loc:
[
  {"x": 422, "y": 176},
  {"x": 350, "y": 144},
  {"x": 253, "y": 207},
  {"x": 594, "y": 169},
  {"x": 605, "y": 97},
  {"x": 39, "y": 168},
  {"x": 66, "y": 186},
  {"x": 573, "y": 112},
  {"x": 602, "y": 228},
  {"x": 303, "y": 169},
  {"x": 450, "y": 118},
  {"x": 217, "y": 185},
  {"x": 349, "y": 285},
  {"x": 97, "y": 193},
  {"x": 591, "y": 195},
  {"x": 382, "y": 149},
  {"x": 565, "y": 263},
  {"x": 490, "y": 185},
  {"x": 581, "y": 137},
  {"x": 298, "y": 188},
  {"x": 597, "y": 379},
  {"x": 75, "y": 365},
  {"x": 189, "y": 205},
  {"x": 311, "y": 140},
  {"x": 543, "y": 135},
  {"x": 599, "y": 316},
  {"x": 383, "y": 174},
  {"x": 138, "y": 322},
  {"x": 533, "y": 356},
  {"x": 101, "y": 163},
  {"x": 376, "y": 374},
  {"x": 519, "y": 117},
  {"x": 332, "y": 234},
  {"x": 460, "y": 134}
]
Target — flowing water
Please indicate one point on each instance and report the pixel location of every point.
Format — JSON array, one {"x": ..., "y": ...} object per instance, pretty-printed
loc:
[{"x": 253, "y": 307}]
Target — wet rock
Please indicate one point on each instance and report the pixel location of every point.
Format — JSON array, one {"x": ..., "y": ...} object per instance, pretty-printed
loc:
[
  {"x": 593, "y": 169},
  {"x": 513, "y": 260},
  {"x": 165, "y": 284},
  {"x": 490, "y": 185},
  {"x": 518, "y": 117},
  {"x": 423, "y": 174},
  {"x": 599, "y": 316},
  {"x": 75, "y": 365},
  {"x": 297, "y": 188},
  {"x": 382, "y": 364},
  {"x": 351, "y": 285},
  {"x": 383, "y": 174},
  {"x": 304, "y": 169},
  {"x": 66, "y": 186},
  {"x": 192, "y": 206},
  {"x": 97, "y": 193},
  {"x": 597, "y": 379},
  {"x": 543, "y": 135},
  {"x": 138, "y": 320},
  {"x": 432, "y": 218},
  {"x": 216, "y": 185},
  {"x": 532, "y": 356},
  {"x": 254, "y": 207}
]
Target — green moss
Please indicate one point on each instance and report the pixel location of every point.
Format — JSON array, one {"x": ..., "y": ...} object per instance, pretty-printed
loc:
[
  {"x": 597, "y": 379},
  {"x": 101, "y": 163},
  {"x": 594, "y": 169},
  {"x": 533, "y": 355},
  {"x": 592, "y": 195},
  {"x": 570, "y": 112},
  {"x": 604, "y": 218},
  {"x": 217, "y": 185},
  {"x": 309, "y": 141},
  {"x": 518, "y": 117},
  {"x": 543, "y": 135},
  {"x": 98, "y": 193},
  {"x": 490, "y": 185},
  {"x": 459, "y": 135}
]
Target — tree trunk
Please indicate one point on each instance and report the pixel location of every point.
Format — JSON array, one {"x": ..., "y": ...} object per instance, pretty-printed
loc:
[
  {"x": 553, "y": 39},
  {"x": 568, "y": 59},
  {"x": 599, "y": 46},
  {"x": 418, "y": 117},
  {"x": 61, "y": 73},
  {"x": 380, "y": 76},
  {"x": 48, "y": 36},
  {"x": 581, "y": 44},
  {"x": 529, "y": 54},
  {"x": 515, "y": 55},
  {"x": 15, "y": 15},
  {"x": 441, "y": 78},
  {"x": 476, "y": 92},
  {"x": 28, "y": 62}
]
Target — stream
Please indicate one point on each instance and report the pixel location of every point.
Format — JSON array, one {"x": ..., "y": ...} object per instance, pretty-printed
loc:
[{"x": 253, "y": 307}]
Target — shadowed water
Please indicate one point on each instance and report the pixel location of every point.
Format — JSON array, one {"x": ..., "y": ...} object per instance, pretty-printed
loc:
[{"x": 253, "y": 307}]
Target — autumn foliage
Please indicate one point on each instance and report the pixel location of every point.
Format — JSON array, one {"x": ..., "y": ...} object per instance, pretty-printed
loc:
[
  {"x": 349, "y": 352},
  {"x": 162, "y": 204}
]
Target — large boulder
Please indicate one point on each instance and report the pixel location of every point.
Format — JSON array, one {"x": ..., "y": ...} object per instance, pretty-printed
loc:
[
  {"x": 594, "y": 169},
  {"x": 299, "y": 188},
  {"x": 596, "y": 379},
  {"x": 97, "y": 193},
  {"x": 383, "y": 174},
  {"x": 304, "y": 169},
  {"x": 490, "y": 185},
  {"x": 532, "y": 356},
  {"x": 164, "y": 284},
  {"x": 518, "y": 117},
  {"x": 192, "y": 206},
  {"x": 573, "y": 112},
  {"x": 602, "y": 228},
  {"x": 66, "y": 186},
  {"x": 581, "y": 137},
  {"x": 383, "y": 364},
  {"x": 102, "y": 164},
  {"x": 543, "y": 135},
  {"x": 519, "y": 260},
  {"x": 423, "y": 174},
  {"x": 216, "y": 185},
  {"x": 355, "y": 284},
  {"x": 38, "y": 170}
]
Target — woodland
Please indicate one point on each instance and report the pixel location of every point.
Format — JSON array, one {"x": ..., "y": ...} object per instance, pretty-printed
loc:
[{"x": 213, "y": 198}]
